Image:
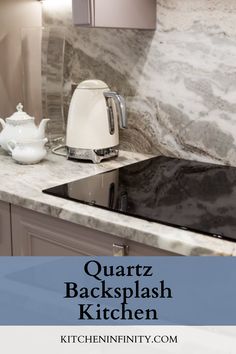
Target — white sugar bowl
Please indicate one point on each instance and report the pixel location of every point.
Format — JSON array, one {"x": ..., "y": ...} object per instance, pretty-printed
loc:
[{"x": 28, "y": 152}]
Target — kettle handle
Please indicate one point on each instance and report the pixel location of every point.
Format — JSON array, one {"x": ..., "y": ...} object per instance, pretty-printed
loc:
[{"x": 120, "y": 106}]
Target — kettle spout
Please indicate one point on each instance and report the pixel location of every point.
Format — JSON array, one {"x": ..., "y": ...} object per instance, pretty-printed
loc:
[
  {"x": 2, "y": 122},
  {"x": 42, "y": 127}
]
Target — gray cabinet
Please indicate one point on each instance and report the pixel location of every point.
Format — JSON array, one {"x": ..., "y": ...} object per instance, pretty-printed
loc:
[
  {"x": 5, "y": 230},
  {"x": 140, "y": 14},
  {"x": 35, "y": 234}
]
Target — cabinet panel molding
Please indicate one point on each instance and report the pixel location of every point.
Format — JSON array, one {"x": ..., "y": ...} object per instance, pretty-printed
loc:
[
  {"x": 5, "y": 229},
  {"x": 36, "y": 234}
]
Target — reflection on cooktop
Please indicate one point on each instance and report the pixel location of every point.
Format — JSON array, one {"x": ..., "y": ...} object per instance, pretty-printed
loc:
[{"x": 187, "y": 194}]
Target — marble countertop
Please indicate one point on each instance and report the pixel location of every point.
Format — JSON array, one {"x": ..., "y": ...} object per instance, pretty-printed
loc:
[{"x": 22, "y": 185}]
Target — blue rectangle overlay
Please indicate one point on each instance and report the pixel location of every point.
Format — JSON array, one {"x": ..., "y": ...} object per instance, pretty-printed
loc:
[{"x": 117, "y": 291}]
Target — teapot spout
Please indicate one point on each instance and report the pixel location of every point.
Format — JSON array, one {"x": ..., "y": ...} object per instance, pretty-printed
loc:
[
  {"x": 2, "y": 122},
  {"x": 42, "y": 127}
]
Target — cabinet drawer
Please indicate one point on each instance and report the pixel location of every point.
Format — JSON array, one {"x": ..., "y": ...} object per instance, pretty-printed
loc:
[{"x": 35, "y": 234}]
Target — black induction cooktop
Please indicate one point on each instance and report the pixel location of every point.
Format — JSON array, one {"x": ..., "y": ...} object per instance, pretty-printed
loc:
[{"x": 186, "y": 194}]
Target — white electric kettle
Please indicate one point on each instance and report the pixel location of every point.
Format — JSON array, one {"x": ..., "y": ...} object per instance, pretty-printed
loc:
[{"x": 95, "y": 115}]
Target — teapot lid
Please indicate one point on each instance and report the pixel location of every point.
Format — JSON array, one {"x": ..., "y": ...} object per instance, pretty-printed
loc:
[
  {"x": 92, "y": 85},
  {"x": 19, "y": 115}
]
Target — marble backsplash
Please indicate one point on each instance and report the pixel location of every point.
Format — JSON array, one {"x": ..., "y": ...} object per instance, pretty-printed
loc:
[{"x": 179, "y": 81}]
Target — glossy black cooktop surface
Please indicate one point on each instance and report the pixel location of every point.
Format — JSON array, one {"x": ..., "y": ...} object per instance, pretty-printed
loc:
[{"x": 186, "y": 194}]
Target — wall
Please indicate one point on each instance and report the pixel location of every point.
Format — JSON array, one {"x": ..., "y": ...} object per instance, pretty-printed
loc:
[
  {"x": 15, "y": 15},
  {"x": 179, "y": 81}
]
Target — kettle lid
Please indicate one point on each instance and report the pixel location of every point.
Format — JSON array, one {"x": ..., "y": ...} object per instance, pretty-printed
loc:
[
  {"x": 92, "y": 85},
  {"x": 19, "y": 115}
]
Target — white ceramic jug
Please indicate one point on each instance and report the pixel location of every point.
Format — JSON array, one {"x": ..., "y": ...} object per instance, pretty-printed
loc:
[
  {"x": 20, "y": 127},
  {"x": 28, "y": 152}
]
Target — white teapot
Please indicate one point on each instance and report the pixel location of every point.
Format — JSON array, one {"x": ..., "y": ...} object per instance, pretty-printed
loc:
[{"x": 20, "y": 127}]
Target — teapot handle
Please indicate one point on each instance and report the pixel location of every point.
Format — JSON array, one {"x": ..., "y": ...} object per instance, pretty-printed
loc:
[
  {"x": 11, "y": 145},
  {"x": 2, "y": 123}
]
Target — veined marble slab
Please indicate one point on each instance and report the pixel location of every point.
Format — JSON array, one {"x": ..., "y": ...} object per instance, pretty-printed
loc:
[
  {"x": 179, "y": 81},
  {"x": 22, "y": 185}
]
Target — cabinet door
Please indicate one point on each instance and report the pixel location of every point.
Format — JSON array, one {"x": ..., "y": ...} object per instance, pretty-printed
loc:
[
  {"x": 5, "y": 230},
  {"x": 35, "y": 234},
  {"x": 83, "y": 12},
  {"x": 140, "y": 14}
]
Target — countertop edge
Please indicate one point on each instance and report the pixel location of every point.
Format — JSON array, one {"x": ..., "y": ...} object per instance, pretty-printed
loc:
[
  {"x": 23, "y": 187},
  {"x": 143, "y": 232}
]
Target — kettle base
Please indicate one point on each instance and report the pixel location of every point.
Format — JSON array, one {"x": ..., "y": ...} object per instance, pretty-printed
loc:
[{"x": 94, "y": 155}]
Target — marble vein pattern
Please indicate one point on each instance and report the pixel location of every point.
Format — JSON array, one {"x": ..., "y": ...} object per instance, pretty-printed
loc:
[
  {"x": 22, "y": 185},
  {"x": 179, "y": 81}
]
